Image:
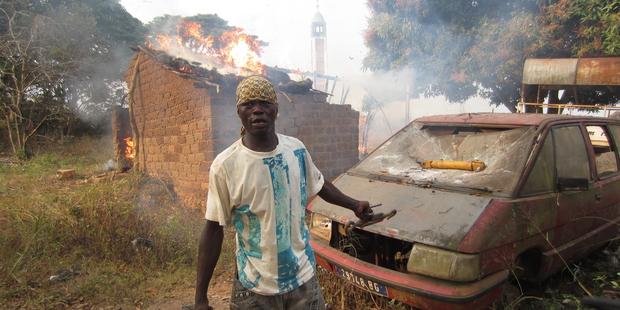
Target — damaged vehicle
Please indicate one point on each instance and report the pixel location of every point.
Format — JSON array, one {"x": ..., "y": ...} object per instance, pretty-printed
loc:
[{"x": 479, "y": 198}]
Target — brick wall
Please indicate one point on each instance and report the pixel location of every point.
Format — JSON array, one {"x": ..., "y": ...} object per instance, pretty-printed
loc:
[
  {"x": 174, "y": 125},
  {"x": 330, "y": 132},
  {"x": 183, "y": 127}
]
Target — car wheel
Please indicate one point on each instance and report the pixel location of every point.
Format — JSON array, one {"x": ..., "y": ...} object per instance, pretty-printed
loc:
[{"x": 527, "y": 265}]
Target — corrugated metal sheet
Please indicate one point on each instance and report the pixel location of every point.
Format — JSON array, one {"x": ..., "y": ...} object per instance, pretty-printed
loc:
[
  {"x": 599, "y": 71},
  {"x": 572, "y": 71},
  {"x": 559, "y": 71}
]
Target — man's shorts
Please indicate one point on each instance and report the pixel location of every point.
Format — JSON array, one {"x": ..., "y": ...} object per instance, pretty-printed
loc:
[{"x": 307, "y": 296}]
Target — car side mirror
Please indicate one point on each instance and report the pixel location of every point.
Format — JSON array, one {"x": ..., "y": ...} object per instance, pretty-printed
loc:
[{"x": 573, "y": 184}]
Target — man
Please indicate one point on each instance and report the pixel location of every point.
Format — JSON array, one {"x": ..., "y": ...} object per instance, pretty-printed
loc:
[{"x": 261, "y": 184}]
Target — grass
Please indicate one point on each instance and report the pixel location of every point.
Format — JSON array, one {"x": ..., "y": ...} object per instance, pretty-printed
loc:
[
  {"x": 599, "y": 273},
  {"x": 86, "y": 229},
  {"x": 342, "y": 295}
]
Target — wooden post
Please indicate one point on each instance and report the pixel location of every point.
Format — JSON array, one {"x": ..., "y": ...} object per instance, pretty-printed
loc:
[{"x": 132, "y": 116}]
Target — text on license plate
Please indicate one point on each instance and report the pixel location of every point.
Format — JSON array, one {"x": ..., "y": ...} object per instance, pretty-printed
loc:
[{"x": 361, "y": 282}]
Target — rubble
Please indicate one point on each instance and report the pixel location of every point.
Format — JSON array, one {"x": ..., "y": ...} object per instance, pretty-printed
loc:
[
  {"x": 64, "y": 275},
  {"x": 142, "y": 243},
  {"x": 65, "y": 174}
]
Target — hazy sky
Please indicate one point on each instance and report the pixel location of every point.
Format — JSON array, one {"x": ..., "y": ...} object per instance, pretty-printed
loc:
[{"x": 284, "y": 24}]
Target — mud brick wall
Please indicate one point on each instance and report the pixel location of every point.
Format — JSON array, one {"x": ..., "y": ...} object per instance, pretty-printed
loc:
[
  {"x": 183, "y": 127},
  {"x": 330, "y": 132},
  {"x": 174, "y": 124}
]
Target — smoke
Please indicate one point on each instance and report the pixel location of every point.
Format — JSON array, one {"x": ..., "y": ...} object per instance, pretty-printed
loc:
[
  {"x": 91, "y": 56},
  {"x": 391, "y": 91}
]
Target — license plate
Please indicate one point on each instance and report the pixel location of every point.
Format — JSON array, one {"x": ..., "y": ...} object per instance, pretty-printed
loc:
[{"x": 358, "y": 281}]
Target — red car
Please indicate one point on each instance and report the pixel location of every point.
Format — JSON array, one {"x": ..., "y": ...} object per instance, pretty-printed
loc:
[{"x": 478, "y": 197}]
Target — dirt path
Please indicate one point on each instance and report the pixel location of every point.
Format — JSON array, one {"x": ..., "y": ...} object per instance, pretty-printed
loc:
[{"x": 219, "y": 296}]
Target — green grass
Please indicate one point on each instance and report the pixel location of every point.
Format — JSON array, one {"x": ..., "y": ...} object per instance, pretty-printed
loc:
[{"x": 48, "y": 225}]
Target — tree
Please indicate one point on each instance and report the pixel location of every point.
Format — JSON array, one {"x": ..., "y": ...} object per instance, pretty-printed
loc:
[
  {"x": 98, "y": 82},
  {"x": 27, "y": 73},
  {"x": 60, "y": 59},
  {"x": 462, "y": 48}
]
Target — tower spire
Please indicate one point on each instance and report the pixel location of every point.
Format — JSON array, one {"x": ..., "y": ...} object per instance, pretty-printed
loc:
[{"x": 318, "y": 36}]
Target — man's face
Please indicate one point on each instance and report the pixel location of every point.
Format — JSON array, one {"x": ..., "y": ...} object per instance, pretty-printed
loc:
[{"x": 257, "y": 116}]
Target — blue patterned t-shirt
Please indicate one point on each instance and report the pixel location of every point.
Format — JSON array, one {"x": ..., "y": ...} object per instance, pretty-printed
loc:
[{"x": 264, "y": 195}]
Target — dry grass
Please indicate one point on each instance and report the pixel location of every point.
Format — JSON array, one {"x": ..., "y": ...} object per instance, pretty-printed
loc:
[
  {"x": 342, "y": 295},
  {"x": 86, "y": 229}
]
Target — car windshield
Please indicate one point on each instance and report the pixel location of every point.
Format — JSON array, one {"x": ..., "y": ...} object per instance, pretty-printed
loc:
[{"x": 502, "y": 150}]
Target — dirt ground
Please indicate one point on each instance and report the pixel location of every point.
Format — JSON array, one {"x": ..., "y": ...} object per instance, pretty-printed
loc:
[{"x": 219, "y": 296}]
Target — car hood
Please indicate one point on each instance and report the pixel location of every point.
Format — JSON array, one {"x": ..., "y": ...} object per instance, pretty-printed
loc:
[{"x": 426, "y": 215}]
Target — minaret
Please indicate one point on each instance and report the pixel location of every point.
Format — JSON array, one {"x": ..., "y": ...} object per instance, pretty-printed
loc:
[{"x": 317, "y": 33}]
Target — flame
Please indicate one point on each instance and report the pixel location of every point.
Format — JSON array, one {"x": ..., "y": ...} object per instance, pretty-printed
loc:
[
  {"x": 232, "y": 52},
  {"x": 129, "y": 148}
]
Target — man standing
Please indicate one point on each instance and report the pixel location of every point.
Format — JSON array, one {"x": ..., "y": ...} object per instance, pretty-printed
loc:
[{"x": 261, "y": 184}]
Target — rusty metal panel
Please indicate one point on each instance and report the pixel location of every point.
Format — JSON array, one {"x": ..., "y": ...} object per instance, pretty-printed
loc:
[
  {"x": 426, "y": 215},
  {"x": 504, "y": 120},
  {"x": 598, "y": 71},
  {"x": 557, "y": 71}
]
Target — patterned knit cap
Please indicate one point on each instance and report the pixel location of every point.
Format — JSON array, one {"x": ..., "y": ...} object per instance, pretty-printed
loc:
[{"x": 256, "y": 87}]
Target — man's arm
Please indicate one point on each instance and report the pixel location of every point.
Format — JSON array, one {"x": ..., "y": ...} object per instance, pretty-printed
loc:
[
  {"x": 208, "y": 254},
  {"x": 333, "y": 195}
]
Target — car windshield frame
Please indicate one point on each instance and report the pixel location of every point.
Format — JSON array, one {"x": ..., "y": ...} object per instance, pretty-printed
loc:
[{"x": 505, "y": 150}]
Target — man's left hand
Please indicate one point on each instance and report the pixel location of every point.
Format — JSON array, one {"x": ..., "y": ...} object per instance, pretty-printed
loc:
[{"x": 363, "y": 210}]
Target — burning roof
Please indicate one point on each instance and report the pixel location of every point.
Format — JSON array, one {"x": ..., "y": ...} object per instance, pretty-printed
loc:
[
  {"x": 232, "y": 51},
  {"x": 222, "y": 59}
]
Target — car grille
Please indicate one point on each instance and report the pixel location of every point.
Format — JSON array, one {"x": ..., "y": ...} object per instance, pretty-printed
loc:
[{"x": 372, "y": 248}]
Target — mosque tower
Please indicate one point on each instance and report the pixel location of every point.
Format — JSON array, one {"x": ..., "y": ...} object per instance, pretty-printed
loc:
[{"x": 319, "y": 48}]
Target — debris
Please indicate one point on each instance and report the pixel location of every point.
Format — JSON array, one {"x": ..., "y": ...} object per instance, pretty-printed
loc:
[
  {"x": 600, "y": 302},
  {"x": 142, "y": 242},
  {"x": 64, "y": 275},
  {"x": 65, "y": 174},
  {"x": 613, "y": 261},
  {"x": 294, "y": 87},
  {"x": 110, "y": 165}
]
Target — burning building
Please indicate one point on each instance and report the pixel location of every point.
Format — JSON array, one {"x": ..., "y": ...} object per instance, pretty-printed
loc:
[{"x": 182, "y": 115}]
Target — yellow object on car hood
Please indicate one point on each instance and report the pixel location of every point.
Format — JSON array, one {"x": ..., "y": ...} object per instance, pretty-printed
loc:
[{"x": 471, "y": 165}]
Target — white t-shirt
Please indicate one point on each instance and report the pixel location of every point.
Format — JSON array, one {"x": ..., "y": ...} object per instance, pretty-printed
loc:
[{"x": 264, "y": 195}]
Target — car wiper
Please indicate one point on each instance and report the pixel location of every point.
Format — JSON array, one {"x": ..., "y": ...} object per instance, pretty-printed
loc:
[
  {"x": 459, "y": 188},
  {"x": 381, "y": 177}
]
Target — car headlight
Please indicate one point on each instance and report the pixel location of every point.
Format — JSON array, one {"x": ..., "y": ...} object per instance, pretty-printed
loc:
[
  {"x": 443, "y": 264},
  {"x": 321, "y": 226}
]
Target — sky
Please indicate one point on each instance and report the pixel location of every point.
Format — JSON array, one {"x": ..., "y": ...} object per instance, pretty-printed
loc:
[{"x": 284, "y": 24}]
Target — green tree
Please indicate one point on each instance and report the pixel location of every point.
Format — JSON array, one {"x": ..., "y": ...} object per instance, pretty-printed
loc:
[
  {"x": 463, "y": 48},
  {"x": 60, "y": 59}
]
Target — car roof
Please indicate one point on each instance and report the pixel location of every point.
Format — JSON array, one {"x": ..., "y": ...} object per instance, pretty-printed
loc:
[{"x": 501, "y": 119}]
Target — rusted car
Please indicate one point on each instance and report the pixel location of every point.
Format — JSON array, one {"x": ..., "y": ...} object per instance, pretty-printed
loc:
[{"x": 479, "y": 198}]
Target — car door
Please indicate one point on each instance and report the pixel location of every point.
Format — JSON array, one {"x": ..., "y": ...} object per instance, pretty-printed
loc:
[
  {"x": 577, "y": 194},
  {"x": 603, "y": 146},
  {"x": 552, "y": 214}
]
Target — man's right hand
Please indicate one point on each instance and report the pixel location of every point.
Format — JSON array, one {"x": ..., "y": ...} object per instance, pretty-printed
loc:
[{"x": 208, "y": 252}]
